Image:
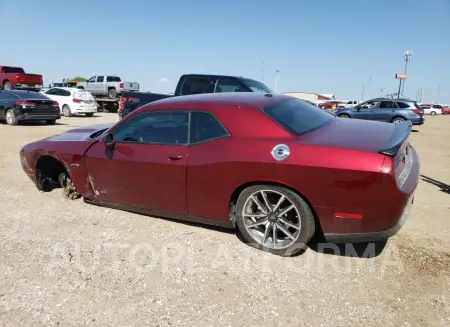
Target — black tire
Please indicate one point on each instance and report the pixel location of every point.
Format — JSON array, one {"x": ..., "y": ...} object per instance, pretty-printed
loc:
[
  {"x": 66, "y": 111},
  {"x": 89, "y": 114},
  {"x": 433, "y": 113},
  {"x": 306, "y": 217},
  {"x": 344, "y": 116},
  {"x": 11, "y": 118},
  {"x": 112, "y": 93},
  {"x": 398, "y": 120},
  {"x": 7, "y": 85},
  {"x": 50, "y": 121}
]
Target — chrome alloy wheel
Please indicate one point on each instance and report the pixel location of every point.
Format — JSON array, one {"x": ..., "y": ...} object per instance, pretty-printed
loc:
[
  {"x": 271, "y": 219},
  {"x": 10, "y": 118}
]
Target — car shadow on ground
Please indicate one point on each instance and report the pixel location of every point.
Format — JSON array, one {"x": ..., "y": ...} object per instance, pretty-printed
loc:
[
  {"x": 415, "y": 131},
  {"x": 443, "y": 187},
  {"x": 367, "y": 250}
]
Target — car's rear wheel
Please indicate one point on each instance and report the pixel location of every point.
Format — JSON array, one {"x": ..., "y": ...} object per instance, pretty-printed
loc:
[
  {"x": 344, "y": 116},
  {"x": 398, "y": 120},
  {"x": 112, "y": 93},
  {"x": 66, "y": 111},
  {"x": 433, "y": 113},
  {"x": 7, "y": 85},
  {"x": 11, "y": 118},
  {"x": 274, "y": 219}
]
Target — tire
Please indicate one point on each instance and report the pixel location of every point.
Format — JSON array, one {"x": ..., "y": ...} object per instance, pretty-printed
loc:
[
  {"x": 50, "y": 121},
  {"x": 11, "y": 118},
  {"x": 344, "y": 116},
  {"x": 433, "y": 113},
  {"x": 89, "y": 114},
  {"x": 300, "y": 217},
  {"x": 398, "y": 120},
  {"x": 66, "y": 111},
  {"x": 112, "y": 93},
  {"x": 7, "y": 85}
]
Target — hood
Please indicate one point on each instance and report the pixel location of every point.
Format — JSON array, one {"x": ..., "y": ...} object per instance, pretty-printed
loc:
[
  {"x": 81, "y": 133},
  {"x": 362, "y": 135}
]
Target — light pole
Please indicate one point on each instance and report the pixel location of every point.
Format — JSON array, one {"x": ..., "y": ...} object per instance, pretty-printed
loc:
[
  {"x": 407, "y": 57},
  {"x": 276, "y": 79}
]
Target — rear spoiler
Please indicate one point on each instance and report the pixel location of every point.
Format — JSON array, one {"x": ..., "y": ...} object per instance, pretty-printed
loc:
[{"x": 401, "y": 133}]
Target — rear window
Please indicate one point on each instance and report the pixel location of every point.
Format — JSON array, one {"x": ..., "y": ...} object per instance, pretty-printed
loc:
[
  {"x": 417, "y": 106},
  {"x": 9, "y": 70},
  {"x": 29, "y": 95},
  {"x": 298, "y": 116},
  {"x": 113, "y": 79}
]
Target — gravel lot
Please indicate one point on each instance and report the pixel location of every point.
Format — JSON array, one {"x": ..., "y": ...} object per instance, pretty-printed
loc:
[{"x": 67, "y": 263}]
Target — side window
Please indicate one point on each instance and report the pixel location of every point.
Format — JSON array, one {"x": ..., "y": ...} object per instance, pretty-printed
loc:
[
  {"x": 165, "y": 127},
  {"x": 402, "y": 105},
  {"x": 368, "y": 105},
  {"x": 228, "y": 85},
  {"x": 204, "y": 127},
  {"x": 51, "y": 92},
  {"x": 196, "y": 85},
  {"x": 91, "y": 80},
  {"x": 66, "y": 93},
  {"x": 100, "y": 78}
]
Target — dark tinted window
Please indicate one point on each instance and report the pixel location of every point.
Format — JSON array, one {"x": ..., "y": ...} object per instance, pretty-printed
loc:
[
  {"x": 387, "y": 104},
  {"x": 101, "y": 79},
  {"x": 196, "y": 85},
  {"x": 298, "y": 116},
  {"x": 112, "y": 79},
  {"x": 256, "y": 86},
  {"x": 155, "y": 128},
  {"x": 13, "y": 70},
  {"x": 205, "y": 126},
  {"x": 91, "y": 80},
  {"x": 436, "y": 106},
  {"x": 225, "y": 84},
  {"x": 30, "y": 95},
  {"x": 402, "y": 105}
]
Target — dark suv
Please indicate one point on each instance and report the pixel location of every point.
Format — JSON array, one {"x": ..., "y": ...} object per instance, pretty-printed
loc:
[{"x": 385, "y": 110}]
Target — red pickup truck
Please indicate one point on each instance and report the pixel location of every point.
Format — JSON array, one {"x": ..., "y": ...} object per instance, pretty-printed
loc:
[{"x": 16, "y": 78}]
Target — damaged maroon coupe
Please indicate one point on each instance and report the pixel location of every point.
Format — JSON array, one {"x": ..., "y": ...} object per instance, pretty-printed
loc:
[{"x": 278, "y": 169}]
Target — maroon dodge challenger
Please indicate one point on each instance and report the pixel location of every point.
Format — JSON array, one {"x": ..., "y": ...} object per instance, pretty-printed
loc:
[{"x": 277, "y": 168}]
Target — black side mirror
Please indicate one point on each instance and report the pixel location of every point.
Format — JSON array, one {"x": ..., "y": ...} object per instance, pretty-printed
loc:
[{"x": 109, "y": 141}]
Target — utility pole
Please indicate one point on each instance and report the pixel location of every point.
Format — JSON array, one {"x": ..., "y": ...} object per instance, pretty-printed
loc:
[
  {"x": 262, "y": 71},
  {"x": 407, "y": 56},
  {"x": 420, "y": 95},
  {"x": 437, "y": 95},
  {"x": 362, "y": 95},
  {"x": 276, "y": 79}
]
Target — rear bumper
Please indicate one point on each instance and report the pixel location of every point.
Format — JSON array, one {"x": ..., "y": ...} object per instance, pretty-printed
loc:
[
  {"x": 28, "y": 115},
  {"x": 23, "y": 86},
  {"x": 86, "y": 109},
  {"x": 417, "y": 121},
  {"x": 372, "y": 236}
]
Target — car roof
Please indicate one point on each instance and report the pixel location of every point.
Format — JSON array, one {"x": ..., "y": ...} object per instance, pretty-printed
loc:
[
  {"x": 256, "y": 100},
  {"x": 389, "y": 99}
]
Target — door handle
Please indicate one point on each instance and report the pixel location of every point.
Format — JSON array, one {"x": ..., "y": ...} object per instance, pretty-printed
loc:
[{"x": 175, "y": 157}]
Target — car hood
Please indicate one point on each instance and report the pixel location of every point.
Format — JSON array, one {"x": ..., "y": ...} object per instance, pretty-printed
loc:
[
  {"x": 352, "y": 134},
  {"x": 80, "y": 133}
]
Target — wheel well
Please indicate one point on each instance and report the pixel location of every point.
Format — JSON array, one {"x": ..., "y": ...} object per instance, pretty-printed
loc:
[
  {"x": 48, "y": 170},
  {"x": 235, "y": 195},
  {"x": 398, "y": 117},
  {"x": 344, "y": 114},
  {"x": 5, "y": 81}
]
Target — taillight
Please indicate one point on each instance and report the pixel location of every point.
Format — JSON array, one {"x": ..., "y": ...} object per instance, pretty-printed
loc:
[
  {"x": 76, "y": 100},
  {"x": 55, "y": 104},
  {"x": 25, "y": 104},
  {"x": 121, "y": 85},
  {"x": 417, "y": 111},
  {"x": 133, "y": 100},
  {"x": 122, "y": 102}
]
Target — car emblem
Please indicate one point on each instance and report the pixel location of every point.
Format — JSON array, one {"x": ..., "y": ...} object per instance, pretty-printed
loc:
[{"x": 280, "y": 152}]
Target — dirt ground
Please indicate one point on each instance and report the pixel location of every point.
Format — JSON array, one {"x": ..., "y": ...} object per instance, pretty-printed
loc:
[{"x": 67, "y": 263}]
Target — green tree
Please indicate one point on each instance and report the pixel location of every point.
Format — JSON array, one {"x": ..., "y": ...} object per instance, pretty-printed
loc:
[{"x": 77, "y": 79}]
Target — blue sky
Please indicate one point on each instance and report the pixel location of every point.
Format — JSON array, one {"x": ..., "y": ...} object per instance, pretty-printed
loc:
[{"x": 324, "y": 46}]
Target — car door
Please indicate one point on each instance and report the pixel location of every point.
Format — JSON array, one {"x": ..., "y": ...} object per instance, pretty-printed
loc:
[
  {"x": 205, "y": 175},
  {"x": 364, "y": 110},
  {"x": 99, "y": 85},
  {"x": 386, "y": 111},
  {"x": 147, "y": 166},
  {"x": 90, "y": 84},
  {"x": 52, "y": 94}
]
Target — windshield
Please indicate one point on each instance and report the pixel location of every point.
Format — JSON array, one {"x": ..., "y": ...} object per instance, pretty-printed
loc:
[
  {"x": 13, "y": 70},
  {"x": 256, "y": 86},
  {"x": 298, "y": 116}
]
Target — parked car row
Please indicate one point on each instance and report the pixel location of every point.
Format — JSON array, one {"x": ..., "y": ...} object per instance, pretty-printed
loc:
[{"x": 276, "y": 196}]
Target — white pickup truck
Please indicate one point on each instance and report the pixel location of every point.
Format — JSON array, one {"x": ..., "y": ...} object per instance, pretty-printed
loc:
[{"x": 106, "y": 85}]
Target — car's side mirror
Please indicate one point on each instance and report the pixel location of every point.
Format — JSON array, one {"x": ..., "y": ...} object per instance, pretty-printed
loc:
[{"x": 109, "y": 141}]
